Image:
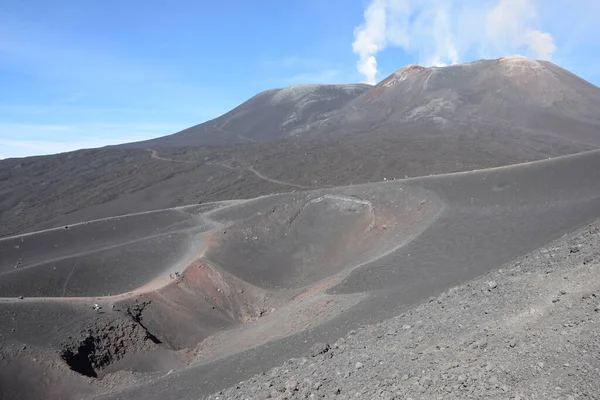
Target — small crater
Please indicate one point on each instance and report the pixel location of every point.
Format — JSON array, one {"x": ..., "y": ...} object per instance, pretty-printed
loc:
[
  {"x": 101, "y": 345},
  {"x": 82, "y": 360}
]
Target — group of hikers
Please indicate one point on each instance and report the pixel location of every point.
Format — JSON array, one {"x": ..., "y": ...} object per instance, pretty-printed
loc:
[{"x": 97, "y": 307}]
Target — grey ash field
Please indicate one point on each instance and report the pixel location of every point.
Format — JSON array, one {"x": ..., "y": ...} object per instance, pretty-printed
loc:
[{"x": 220, "y": 252}]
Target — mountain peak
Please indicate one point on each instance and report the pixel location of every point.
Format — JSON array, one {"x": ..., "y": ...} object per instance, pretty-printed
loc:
[
  {"x": 520, "y": 61},
  {"x": 401, "y": 75},
  {"x": 515, "y": 58},
  {"x": 522, "y": 70},
  {"x": 480, "y": 95}
]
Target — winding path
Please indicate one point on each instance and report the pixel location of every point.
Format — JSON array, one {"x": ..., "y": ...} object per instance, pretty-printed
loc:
[
  {"x": 264, "y": 177},
  {"x": 91, "y": 251},
  {"x": 220, "y": 129},
  {"x": 154, "y": 154},
  {"x": 152, "y": 285}
]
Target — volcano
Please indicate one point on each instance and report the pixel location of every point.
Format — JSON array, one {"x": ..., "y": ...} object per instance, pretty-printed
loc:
[{"x": 175, "y": 267}]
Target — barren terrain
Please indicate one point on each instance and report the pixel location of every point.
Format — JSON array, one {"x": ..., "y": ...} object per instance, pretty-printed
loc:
[
  {"x": 427, "y": 237},
  {"x": 530, "y": 330},
  {"x": 258, "y": 281}
]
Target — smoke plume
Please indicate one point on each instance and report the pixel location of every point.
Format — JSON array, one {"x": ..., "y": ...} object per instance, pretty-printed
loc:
[{"x": 444, "y": 32}]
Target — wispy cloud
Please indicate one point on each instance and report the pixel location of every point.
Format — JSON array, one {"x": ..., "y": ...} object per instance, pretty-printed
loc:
[
  {"x": 67, "y": 92},
  {"x": 443, "y": 32},
  {"x": 5, "y": 129},
  {"x": 51, "y": 139},
  {"x": 25, "y": 148}
]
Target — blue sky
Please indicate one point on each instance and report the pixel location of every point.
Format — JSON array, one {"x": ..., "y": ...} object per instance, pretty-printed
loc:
[{"x": 77, "y": 74}]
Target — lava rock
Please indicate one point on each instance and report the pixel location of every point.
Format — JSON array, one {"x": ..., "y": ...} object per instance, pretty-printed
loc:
[{"x": 319, "y": 348}]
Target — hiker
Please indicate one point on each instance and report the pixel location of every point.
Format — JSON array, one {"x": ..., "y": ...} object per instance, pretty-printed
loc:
[{"x": 97, "y": 308}]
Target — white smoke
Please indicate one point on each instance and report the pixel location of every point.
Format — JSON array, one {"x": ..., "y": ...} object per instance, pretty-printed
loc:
[
  {"x": 444, "y": 32},
  {"x": 370, "y": 38},
  {"x": 508, "y": 26},
  {"x": 541, "y": 45}
]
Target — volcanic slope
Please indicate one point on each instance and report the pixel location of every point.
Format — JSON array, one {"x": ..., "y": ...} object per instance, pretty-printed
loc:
[
  {"x": 512, "y": 95},
  {"x": 270, "y": 115},
  {"x": 259, "y": 281},
  {"x": 418, "y": 121}
]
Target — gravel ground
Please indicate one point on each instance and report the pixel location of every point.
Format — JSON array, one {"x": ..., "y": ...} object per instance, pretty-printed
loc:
[{"x": 528, "y": 331}]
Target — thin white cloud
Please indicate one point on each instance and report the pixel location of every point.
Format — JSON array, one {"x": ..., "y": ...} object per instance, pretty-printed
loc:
[
  {"x": 51, "y": 139},
  {"x": 74, "y": 83},
  {"x": 25, "y": 148},
  {"x": 41, "y": 128},
  {"x": 443, "y": 32}
]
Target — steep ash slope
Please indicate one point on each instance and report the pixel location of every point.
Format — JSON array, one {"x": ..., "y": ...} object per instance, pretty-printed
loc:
[{"x": 270, "y": 115}]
